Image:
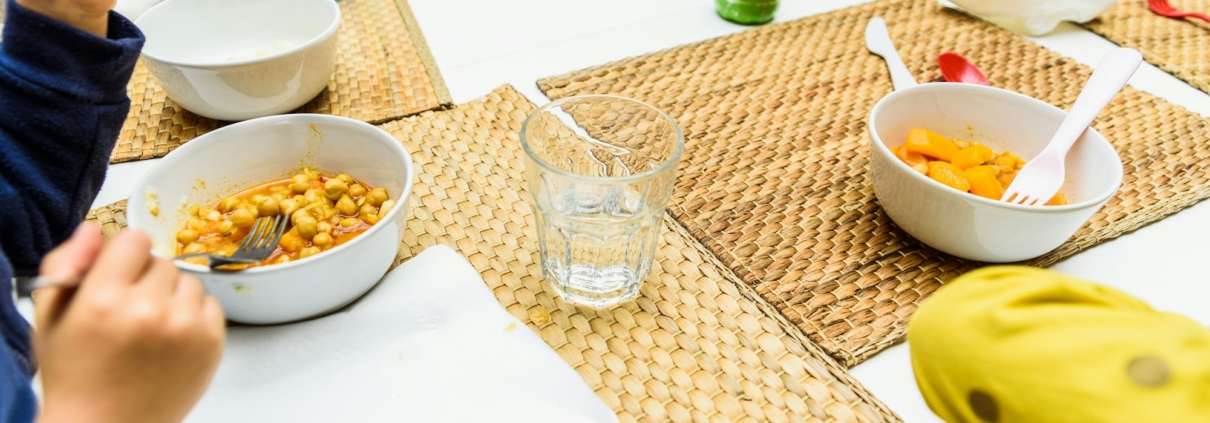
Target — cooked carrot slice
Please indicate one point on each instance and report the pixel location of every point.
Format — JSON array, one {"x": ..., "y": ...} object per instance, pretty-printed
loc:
[
  {"x": 1058, "y": 200},
  {"x": 916, "y": 161},
  {"x": 931, "y": 144},
  {"x": 950, "y": 175},
  {"x": 972, "y": 156},
  {"x": 984, "y": 183}
]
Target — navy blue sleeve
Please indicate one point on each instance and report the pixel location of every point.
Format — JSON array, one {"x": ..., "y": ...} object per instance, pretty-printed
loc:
[{"x": 62, "y": 103}]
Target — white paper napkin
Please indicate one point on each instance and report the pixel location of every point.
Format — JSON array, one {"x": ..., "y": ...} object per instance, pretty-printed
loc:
[{"x": 428, "y": 344}]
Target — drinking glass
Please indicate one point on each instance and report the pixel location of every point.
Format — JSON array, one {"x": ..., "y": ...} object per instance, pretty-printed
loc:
[{"x": 600, "y": 171}]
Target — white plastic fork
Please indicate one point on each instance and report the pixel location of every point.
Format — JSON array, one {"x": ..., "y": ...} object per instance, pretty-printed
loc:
[{"x": 1042, "y": 177}]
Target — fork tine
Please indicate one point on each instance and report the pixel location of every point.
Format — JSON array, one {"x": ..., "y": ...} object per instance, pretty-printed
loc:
[
  {"x": 274, "y": 236},
  {"x": 270, "y": 225},
  {"x": 252, "y": 235},
  {"x": 1010, "y": 196},
  {"x": 270, "y": 230}
]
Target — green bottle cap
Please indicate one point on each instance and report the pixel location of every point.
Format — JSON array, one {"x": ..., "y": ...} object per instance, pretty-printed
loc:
[{"x": 747, "y": 12}]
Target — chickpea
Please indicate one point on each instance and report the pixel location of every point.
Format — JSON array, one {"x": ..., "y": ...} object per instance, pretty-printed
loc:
[
  {"x": 288, "y": 206},
  {"x": 308, "y": 252},
  {"x": 194, "y": 248},
  {"x": 386, "y": 207},
  {"x": 228, "y": 204},
  {"x": 257, "y": 198},
  {"x": 315, "y": 196},
  {"x": 377, "y": 196},
  {"x": 357, "y": 190},
  {"x": 291, "y": 242},
  {"x": 243, "y": 217},
  {"x": 325, "y": 211},
  {"x": 349, "y": 222},
  {"x": 226, "y": 227},
  {"x": 196, "y": 224},
  {"x": 311, "y": 174},
  {"x": 322, "y": 240},
  {"x": 325, "y": 228},
  {"x": 299, "y": 214},
  {"x": 348, "y": 180},
  {"x": 211, "y": 215},
  {"x": 268, "y": 207},
  {"x": 300, "y": 199},
  {"x": 194, "y": 209},
  {"x": 307, "y": 227},
  {"x": 187, "y": 236},
  {"x": 300, "y": 184},
  {"x": 346, "y": 207},
  {"x": 370, "y": 219},
  {"x": 367, "y": 210},
  {"x": 335, "y": 188}
]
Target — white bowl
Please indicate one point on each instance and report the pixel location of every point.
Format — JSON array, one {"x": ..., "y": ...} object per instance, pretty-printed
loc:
[
  {"x": 250, "y": 153},
  {"x": 966, "y": 225},
  {"x": 241, "y": 59}
]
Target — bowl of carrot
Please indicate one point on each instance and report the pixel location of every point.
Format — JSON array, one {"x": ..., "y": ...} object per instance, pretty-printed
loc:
[{"x": 941, "y": 156}]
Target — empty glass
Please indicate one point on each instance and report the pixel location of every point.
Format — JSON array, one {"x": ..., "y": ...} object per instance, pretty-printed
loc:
[{"x": 600, "y": 169}]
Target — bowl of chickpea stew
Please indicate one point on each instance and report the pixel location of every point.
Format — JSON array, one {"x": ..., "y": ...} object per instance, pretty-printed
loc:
[
  {"x": 342, "y": 183},
  {"x": 940, "y": 152},
  {"x": 324, "y": 212}
]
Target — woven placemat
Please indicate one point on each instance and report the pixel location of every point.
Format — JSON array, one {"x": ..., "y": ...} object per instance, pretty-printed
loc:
[
  {"x": 697, "y": 345},
  {"x": 112, "y": 218},
  {"x": 774, "y": 174},
  {"x": 383, "y": 72},
  {"x": 1179, "y": 46}
]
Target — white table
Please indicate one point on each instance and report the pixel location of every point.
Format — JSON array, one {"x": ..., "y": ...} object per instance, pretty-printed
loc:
[{"x": 551, "y": 37}]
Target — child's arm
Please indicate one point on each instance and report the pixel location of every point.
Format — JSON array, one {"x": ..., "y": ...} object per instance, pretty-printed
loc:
[{"x": 62, "y": 103}]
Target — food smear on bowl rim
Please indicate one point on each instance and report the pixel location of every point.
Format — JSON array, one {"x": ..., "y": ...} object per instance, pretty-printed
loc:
[
  {"x": 325, "y": 212},
  {"x": 962, "y": 165},
  {"x": 152, "y": 198}
]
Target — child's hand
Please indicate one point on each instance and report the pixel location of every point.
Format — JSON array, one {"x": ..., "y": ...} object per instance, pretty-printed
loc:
[
  {"x": 89, "y": 15},
  {"x": 137, "y": 341}
]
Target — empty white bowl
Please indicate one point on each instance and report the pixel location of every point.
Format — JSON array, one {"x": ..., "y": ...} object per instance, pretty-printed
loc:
[
  {"x": 966, "y": 225},
  {"x": 246, "y": 154},
  {"x": 241, "y": 59}
]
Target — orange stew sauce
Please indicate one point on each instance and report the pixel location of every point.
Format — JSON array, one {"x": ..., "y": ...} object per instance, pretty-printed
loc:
[{"x": 325, "y": 212}]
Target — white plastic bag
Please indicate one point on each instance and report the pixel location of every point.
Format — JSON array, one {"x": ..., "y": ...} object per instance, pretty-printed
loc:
[{"x": 1035, "y": 17}]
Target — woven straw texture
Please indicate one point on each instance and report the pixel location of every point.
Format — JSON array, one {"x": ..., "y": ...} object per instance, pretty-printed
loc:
[
  {"x": 383, "y": 72},
  {"x": 112, "y": 218},
  {"x": 774, "y": 182},
  {"x": 1179, "y": 46},
  {"x": 696, "y": 346}
]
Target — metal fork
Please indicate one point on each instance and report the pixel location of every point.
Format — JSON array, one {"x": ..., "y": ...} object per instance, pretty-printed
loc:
[
  {"x": 257, "y": 246},
  {"x": 1163, "y": 8}
]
